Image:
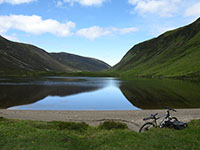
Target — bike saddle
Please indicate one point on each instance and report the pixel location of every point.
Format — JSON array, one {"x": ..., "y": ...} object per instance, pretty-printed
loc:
[{"x": 153, "y": 115}]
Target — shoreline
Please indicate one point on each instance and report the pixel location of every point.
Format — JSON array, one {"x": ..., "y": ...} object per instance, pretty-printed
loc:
[{"x": 133, "y": 118}]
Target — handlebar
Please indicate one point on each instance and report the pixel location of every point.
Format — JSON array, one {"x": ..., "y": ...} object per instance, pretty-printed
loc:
[{"x": 172, "y": 109}]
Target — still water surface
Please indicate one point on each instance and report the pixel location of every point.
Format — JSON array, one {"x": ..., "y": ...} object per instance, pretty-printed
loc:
[{"x": 85, "y": 93}]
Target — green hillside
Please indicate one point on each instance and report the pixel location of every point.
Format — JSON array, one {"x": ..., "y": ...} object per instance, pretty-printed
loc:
[
  {"x": 79, "y": 62},
  {"x": 173, "y": 54},
  {"x": 15, "y": 57}
]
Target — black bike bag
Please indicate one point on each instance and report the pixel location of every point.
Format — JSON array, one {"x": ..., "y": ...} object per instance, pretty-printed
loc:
[{"x": 179, "y": 125}]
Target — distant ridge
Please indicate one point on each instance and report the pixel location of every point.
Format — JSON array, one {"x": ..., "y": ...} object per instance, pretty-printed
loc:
[
  {"x": 24, "y": 57},
  {"x": 175, "y": 53},
  {"x": 80, "y": 63}
]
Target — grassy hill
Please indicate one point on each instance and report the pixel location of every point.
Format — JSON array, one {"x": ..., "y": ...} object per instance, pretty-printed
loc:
[
  {"x": 173, "y": 54},
  {"x": 15, "y": 57},
  {"x": 80, "y": 63}
]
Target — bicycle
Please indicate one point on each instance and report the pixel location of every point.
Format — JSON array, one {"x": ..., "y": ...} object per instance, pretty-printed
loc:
[{"x": 166, "y": 122}]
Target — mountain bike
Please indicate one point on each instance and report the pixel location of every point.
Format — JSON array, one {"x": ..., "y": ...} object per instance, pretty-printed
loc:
[{"x": 166, "y": 121}]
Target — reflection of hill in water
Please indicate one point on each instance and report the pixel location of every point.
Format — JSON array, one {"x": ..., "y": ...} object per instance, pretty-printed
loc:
[
  {"x": 14, "y": 95},
  {"x": 155, "y": 94}
]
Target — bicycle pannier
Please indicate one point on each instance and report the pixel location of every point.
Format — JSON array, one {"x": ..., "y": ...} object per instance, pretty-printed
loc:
[{"x": 179, "y": 125}]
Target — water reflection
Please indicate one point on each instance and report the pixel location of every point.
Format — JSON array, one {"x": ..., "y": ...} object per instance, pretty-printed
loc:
[
  {"x": 79, "y": 94},
  {"x": 26, "y": 91},
  {"x": 82, "y": 93},
  {"x": 158, "y": 93},
  {"x": 109, "y": 98}
]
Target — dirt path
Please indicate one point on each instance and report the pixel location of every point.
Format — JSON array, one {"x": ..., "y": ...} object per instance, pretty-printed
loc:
[{"x": 132, "y": 118}]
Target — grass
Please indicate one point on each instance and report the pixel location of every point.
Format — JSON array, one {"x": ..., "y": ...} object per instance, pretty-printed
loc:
[
  {"x": 21, "y": 73},
  {"x": 35, "y": 135}
]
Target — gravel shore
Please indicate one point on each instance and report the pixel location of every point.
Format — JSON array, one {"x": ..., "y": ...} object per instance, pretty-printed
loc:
[{"x": 132, "y": 118}]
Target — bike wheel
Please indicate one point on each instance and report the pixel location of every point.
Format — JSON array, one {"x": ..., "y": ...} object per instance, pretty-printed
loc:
[{"x": 146, "y": 127}]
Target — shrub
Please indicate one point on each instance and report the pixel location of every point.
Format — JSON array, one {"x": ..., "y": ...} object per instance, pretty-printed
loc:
[
  {"x": 2, "y": 119},
  {"x": 109, "y": 125},
  {"x": 71, "y": 125}
]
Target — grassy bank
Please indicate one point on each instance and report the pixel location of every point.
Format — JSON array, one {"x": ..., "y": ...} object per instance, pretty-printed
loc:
[
  {"x": 126, "y": 76},
  {"x": 20, "y": 73},
  {"x": 108, "y": 73},
  {"x": 36, "y": 135}
]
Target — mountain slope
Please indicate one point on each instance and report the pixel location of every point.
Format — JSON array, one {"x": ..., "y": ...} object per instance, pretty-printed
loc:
[
  {"x": 80, "y": 63},
  {"x": 24, "y": 57},
  {"x": 173, "y": 54}
]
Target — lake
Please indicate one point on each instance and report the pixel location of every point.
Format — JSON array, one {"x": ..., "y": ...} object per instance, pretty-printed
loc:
[{"x": 93, "y": 93}]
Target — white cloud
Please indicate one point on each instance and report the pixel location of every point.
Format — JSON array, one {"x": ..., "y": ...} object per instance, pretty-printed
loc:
[
  {"x": 127, "y": 30},
  {"x": 133, "y": 2},
  {"x": 162, "y": 30},
  {"x": 35, "y": 25},
  {"x": 16, "y": 2},
  {"x": 59, "y": 3},
  {"x": 194, "y": 10},
  {"x": 96, "y": 31},
  {"x": 12, "y": 37},
  {"x": 161, "y": 7},
  {"x": 86, "y": 2},
  {"x": 158, "y": 30}
]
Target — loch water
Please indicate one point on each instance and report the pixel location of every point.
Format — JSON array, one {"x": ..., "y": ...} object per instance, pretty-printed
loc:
[{"x": 97, "y": 93}]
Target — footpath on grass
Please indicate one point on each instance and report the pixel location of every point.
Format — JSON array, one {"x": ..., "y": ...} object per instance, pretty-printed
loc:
[{"x": 132, "y": 118}]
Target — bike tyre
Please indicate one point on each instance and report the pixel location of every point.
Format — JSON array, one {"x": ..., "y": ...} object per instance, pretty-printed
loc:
[{"x": 146, "y": 127}]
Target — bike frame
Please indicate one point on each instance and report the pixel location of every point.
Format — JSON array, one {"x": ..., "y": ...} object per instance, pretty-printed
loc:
[{"x": 164, "y": 116}]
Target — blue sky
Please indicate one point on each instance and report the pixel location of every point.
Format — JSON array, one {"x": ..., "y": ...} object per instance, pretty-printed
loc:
[{"x": 103, "y": 29}]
